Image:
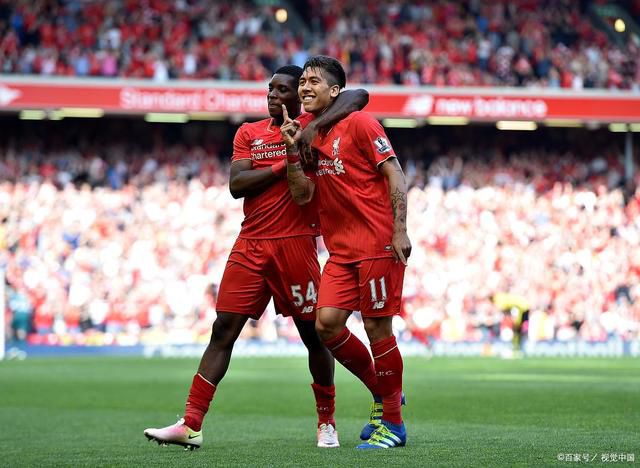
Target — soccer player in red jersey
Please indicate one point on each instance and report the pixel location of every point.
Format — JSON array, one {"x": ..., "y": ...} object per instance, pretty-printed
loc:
[
  {"x": 363, "y": 217},
  {"x": 274, "y": 256}
]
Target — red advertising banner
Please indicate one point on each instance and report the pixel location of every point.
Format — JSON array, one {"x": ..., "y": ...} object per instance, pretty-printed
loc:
[{"x": 476, "y": 104}]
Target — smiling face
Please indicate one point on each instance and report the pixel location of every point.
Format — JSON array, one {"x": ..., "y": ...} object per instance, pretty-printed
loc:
[
  {"x": 316, "y": 91},
  {"x": 283, "y": 90}
]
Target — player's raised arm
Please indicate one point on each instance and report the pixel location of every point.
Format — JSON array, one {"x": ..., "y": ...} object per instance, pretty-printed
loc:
[
  {"x": 398, "y": 196},
  {"x": 300, "y": 186},
  {"x": 347, "y": 102}
]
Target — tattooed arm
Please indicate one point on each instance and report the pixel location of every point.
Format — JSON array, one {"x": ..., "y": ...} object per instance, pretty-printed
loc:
[
  {"x": 301, "y": 187},
  {"x": 398, "y": 197}
]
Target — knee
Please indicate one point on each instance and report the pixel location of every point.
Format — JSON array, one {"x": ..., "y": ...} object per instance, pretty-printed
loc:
[
  {"x": 326, "y": 330},
  {"x": 222, "y": 334},
  {"x": 330, "y": 322}
]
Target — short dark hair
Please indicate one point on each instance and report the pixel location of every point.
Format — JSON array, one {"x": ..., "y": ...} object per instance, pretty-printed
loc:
[
  {"x": 292, "y": 70},
  {"x": 333, "y": 68}
]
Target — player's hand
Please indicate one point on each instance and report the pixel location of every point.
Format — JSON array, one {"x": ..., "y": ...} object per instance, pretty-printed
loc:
[
  {"x": 290, "y": 129},
  {"x": 401, "y": 246},
  {"x": 307, "y": 153}
]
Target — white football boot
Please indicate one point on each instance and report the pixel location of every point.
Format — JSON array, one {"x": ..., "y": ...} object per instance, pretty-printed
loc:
[
  {"x": 176, "y": 434},
  {"x": 327, "y": 436}
]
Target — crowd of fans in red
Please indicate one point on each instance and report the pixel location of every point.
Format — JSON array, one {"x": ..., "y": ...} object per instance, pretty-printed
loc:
[
  {"x": 429, "y": 42},
  {"x": 121, "y": 243}
]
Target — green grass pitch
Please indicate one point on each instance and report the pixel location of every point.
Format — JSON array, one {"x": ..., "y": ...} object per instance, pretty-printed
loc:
[{"x": 461, "y": 412}]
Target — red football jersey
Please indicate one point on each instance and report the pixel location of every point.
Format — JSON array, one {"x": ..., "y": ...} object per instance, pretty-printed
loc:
[
  {"x": 355, "y": 211},
  {"x": 271, "y": 214}
]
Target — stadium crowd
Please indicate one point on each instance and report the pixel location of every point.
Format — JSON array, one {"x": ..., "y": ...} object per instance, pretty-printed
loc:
[
  {"x": 540, "y": 43},
  {"x": 125, "y": 243}
]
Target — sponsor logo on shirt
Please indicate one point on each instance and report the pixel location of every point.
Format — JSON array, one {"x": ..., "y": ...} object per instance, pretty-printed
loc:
[
  {"x": 261, "y": 150},
  {"x": 330, "y": 167},
  {"x": 382, "y": 145}
]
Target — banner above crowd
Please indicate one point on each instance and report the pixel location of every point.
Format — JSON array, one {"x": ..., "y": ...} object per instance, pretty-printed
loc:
[{"x": 249, "y": 99}]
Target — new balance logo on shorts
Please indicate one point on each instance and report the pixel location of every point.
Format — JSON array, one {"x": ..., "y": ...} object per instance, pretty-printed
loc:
[
  {"x": 307, "y": 309},
  {"x": 378, "y": 305}
]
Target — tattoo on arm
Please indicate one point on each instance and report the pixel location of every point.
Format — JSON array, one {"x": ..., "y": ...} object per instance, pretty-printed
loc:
[
  {"x": 398, "y": 199},
  {"x": 298, "y": 183}
]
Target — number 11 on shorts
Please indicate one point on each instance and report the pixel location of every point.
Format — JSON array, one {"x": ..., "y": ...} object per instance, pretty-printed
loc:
[{"x": 374, "y": 292}]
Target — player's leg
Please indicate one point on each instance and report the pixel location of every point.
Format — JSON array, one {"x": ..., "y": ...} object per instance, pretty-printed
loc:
[
  {"x": 337, "y": 298},
  {"x": 381, "y": 292},
  {"x": 321, "y": 362},
  {"x": 243, "y": 294},
  {"x": 321, "y": 366},
  {"x": 294, "y": 284},
  {"x": 213, "y": 366}
]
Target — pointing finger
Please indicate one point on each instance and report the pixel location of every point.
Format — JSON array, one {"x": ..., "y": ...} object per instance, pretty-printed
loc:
[{"x": 285, "y": 114}]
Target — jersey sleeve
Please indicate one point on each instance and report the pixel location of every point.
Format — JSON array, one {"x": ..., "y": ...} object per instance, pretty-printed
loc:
[
  {"x": 370, "y": 136},
  {"x": 241, "y": 144}
]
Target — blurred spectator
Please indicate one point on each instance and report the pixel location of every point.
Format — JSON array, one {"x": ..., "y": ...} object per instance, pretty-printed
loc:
[
  {"x": 20, "y": 310},
  {"x": 541, "y": 43},
  {"x": 122, "y": 245}
]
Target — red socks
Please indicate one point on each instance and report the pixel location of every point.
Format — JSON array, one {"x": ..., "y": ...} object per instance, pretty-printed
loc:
[
  {"x": 388, "y": 362},
  {"x": 200, "y": 395},
  {"x": 354, "y": 355},
  {"x": 325, "y": 403}
]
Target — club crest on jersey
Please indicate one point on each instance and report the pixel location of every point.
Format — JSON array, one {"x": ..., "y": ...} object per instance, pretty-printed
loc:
[
  {"x": 336, "y": 147},
  {"x": 382, "y": 145}
]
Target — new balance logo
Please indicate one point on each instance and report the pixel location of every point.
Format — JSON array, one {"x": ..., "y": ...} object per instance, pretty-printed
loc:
[
  {"x": 257, "y": 142},
  {"x": 307, "y": 310},
  {"x": 378, "y": 305}
]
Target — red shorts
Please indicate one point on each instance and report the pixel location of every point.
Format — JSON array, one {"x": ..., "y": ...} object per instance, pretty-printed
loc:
[
  {"x": 373, "y": 286},
  {"x": 258, "y": 269}
]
